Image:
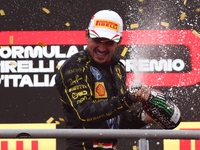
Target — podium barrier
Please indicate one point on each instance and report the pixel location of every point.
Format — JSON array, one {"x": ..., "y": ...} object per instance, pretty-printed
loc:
[
  {"x": 100, "y": 133},
  {"x": 141, "y": 134}
]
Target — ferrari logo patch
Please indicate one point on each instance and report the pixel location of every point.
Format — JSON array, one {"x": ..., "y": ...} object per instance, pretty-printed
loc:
[{"x": 118, "y": 72}]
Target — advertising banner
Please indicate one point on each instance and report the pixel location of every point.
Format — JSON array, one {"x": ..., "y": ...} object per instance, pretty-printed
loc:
[
  {"x": 184, "y": 144},
  {"x": 25, "y": 143}
]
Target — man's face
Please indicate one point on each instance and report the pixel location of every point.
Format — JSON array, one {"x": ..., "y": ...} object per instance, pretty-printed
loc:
[{"x": 101, "y": 49}]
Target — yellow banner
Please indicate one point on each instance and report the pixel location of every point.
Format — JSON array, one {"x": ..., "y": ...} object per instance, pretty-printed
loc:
[
  {"x": 183, "y": 144},
  {"x": 28, "y": 144}
]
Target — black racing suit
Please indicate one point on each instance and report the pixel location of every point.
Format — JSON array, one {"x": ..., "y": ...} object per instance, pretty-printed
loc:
[{"x": 94, "y": 96}]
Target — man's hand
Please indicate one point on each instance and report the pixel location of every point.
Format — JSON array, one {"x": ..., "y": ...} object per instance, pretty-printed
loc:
[
  {"x": 139, "y": 92},
  {"x": 162, "y": 110}
]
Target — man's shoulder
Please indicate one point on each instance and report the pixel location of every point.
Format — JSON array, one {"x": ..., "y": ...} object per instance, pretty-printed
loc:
[
  {"x": 116, "y": 60},
  {"x": 74, "y": 64},
  {"x": 78, "y": 58}
]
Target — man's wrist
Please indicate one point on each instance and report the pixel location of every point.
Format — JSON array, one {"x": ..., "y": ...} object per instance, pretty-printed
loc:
[{"x": 129, "y": 98}]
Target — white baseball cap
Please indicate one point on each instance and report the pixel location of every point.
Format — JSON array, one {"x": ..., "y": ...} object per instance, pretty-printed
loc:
[{"x": 106, "y": 24}]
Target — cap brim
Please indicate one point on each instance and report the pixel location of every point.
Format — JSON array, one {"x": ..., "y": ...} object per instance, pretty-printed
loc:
[{"x": 104, "y": 34}]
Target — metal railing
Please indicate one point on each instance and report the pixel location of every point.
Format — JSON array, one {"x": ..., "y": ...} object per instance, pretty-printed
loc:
[
  {"x": 141, "y": 134},
  {"x": 100, "y": 133}
]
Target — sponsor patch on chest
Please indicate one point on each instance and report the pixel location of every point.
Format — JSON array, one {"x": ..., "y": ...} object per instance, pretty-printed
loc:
[
  {"x": 100, "y": 90},
  {"x": 96, "y": 73}
]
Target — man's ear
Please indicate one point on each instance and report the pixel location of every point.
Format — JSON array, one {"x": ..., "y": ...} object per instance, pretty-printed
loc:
[{"x": 87, "y": 34}]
